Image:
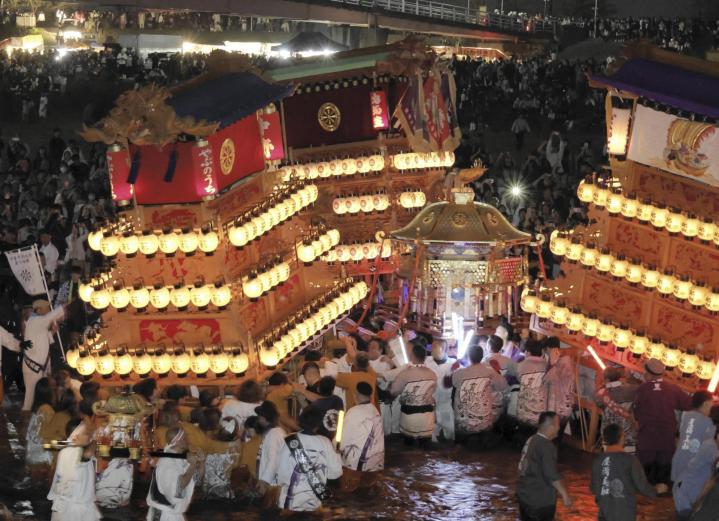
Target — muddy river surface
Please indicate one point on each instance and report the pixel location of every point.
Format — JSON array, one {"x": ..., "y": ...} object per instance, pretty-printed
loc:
[{"x": 442, "y": 483}]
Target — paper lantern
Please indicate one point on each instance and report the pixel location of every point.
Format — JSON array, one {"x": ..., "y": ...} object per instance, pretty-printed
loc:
[
  {"x": 706, "y": 230},
  {"x": 305, "y": 252},
  {"x": 615, "y": 201},
  {"x": 630, "y": 207},
  {"x": 200, "y": 295},
  {"x": 604, "y": 261},
  {"x": 601, "y": 194},
  {"x": 671, "y": 356},
  {"x": 161, "y": 362},
  {"x": 71, "y": 357},
  {"x": 139, "y": 297},
  {"x": 650, "y": 277},
  {"x": 712, "y": 303},
  {"x": 383, "y": 203},
  {"x": 589, "y": 255},
  {"x": 655, "y": 349},
  {"x": 239, "y": 363},
  {"x": 100, "y": 298},
  {"x": 558, "y": 243},
  {"x": 605, "y": 332},
  {"x": 675, "y": 222},
  {"x": 575, "y": 320},
  {"x": 160, "y": 296},
  {"x": 560, "y": 314},
  {"x": 688, "y": 363},
  {"x": 129, "y": 244},
  {"x": 204, "y": 172},
  {"x": 621, "y": 338},
  {"x": 269, "y": 357},
  {"x": 638, "y": 344},
  {"x": 118, "y": 170},
  {"x": 120, "y": 298},
  {"x": 586, "y": 189},
  {"x": 699, "y": 294},
  {"x": 123, "y": 363},
  {"x": 634, "y": 272},
  {"x": 265, "y": 281},
  {"x": 200, "y": 362},
  {"x": 705, "y": 369},
  {"x": 690, "y": 228},
  {"x": 220, "y": 295},
  {"x": 168, "y": 242},
  {"x": 644, "y": 212},
  {"x": 85, "y": 364},
  {"x": 575, "y": 250},
  {"x": 682, "y": 287},
  {"x": 110, "y": 244},
  {"x": 149, "y": 243},
  {"x": 180, "y": 296},
  {"x": 529, "y": 301},
  {"x": 85, "y": 291},
  {"x": 545, "y": 307},
  {"x": 666, "y": 282},
  {"x": 618, "y": 131},
  {"x": 591, "y": 326},
  {"x": 219, "y": 363},
  {"x": 188, "y": 241},
  {"x": 619, "y": 267},
  {"x": 181, "y": 362},
  {"x": 142, "y": 364},
  {"x": 94, "y": 240},
  {"x": 238, "y": 236},
  {"x": 317, "y": 247},
  {"x": 660, "y": 214},
  {"x": 252, "y": 287},
  {"x": 338, "y": 206}
]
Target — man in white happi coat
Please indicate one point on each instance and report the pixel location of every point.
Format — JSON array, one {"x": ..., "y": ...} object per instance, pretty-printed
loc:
[
  {"x": 362, "y": 441},
  {"x": 173, "y": 480},
  {"x": 73, "y": 487},
  {"x": 415, "y": 386},
  {"x": 442, "y": 366},
  {"x": 38, "y": 331}
]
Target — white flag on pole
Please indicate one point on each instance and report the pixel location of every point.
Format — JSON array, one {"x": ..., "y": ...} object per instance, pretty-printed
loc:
[{"x": 25, "y": 265}]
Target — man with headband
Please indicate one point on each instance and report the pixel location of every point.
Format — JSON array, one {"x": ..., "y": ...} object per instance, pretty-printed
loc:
[{"x": 173, "y": 480}]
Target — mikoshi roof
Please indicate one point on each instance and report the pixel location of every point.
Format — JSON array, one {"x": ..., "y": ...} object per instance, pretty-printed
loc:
[
  {"x": 461, "y": 221},
  {"x": 227, "y": 98},
  {"x": 681, "y": 82},
  {"x": 310, "y": 41}
]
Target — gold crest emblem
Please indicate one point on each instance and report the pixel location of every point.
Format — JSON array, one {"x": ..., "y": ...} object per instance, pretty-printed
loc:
[
  {"x": 227, "y": 156},
  {"x": 329, "y": 117}
]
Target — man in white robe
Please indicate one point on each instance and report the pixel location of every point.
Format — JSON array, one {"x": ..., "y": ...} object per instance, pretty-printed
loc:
[
  {"x": 442, "y": 366},
  {"x": 306, "y": 461},
  {"x": 362, "y": 441},
  {"x": 415, "y": 386},
  {"x": 173, "y": 480},
  {"x": 114, "y": 484},
  {"x": 36, "y": 362},
  {"x": 73, "y": 487},
  {"x": 273, "y": 438}
]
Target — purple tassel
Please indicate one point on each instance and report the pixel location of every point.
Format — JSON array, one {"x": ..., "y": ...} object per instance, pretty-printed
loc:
[
  {"x": 134, "y": 168},
  {"x": 171, "y": 164}
]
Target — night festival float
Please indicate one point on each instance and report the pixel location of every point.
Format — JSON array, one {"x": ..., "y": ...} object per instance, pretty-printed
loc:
[{"x": 641, "y": 280}]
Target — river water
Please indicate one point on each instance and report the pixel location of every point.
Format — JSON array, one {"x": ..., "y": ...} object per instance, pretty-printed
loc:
[{"x": 443, "y": 483}]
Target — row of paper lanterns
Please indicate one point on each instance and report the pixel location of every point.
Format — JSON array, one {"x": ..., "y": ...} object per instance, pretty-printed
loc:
[
  {"x": 366, "y": 203},
  {"x": 334, "y": 168},
  {"x": 316, "y": 244},
  {"x": 265, "y": 278},
  {"x": 160, "y": 296},
  {"x": 666, "y": 283},
  {"x": 621, "y": 336},
  {"x": 415, "y": 160},
  {"x": 180, "y": 361},
  {"x": 289, "y": 202},
  {"x": 308, "y": 322},
  {"x": 658, "y": 215},
  {"x": 149, "y": 242},
  {"x": 358, "y": 252}
]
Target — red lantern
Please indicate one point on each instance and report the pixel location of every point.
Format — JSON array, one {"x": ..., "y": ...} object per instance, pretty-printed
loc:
[
  {"x": 380, "y": 114},
  {"x": 204, "y": 171},
  {"x": 118, "y": 168}
]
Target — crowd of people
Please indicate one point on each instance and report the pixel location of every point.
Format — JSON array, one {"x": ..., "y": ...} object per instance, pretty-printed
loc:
[{"x": 320, "y": 428}]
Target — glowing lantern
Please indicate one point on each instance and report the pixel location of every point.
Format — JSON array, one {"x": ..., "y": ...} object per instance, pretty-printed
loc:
[
  {"x": 671, "y": 356},
  {"x": 586, "y": 190},
  {"x": 575, "y": 250},
  {"x": 283, "y": 271},
  {"x": 188, "y": 241},
  {"x": 85, "y": 291},
  {"x": 168, "y": 242},
  {"x": 706, "y": 230},
  {"x": 269, "y": 357},
  {"x": 529, "y": 301},
  {"x": 220, "y": 295},
  {"x": 621, "y": 338},
  {"x": 100, "y": 299},
  {"x": 252, "y": 287},
  {"x": 160, "y": 296},
  {"x": 94, "y": 240},
  {"x": 71, "y": 357},
  {"x": 560, "y": 314},
  {"x": 619, "y": 267},
  {"x": 705, "y": 369},
  {"x": 575, "y": 320},
  {"x": 149, "y": 243},
  {"x": 675, "y": 222},
  {"x": 238, "y": 236},
  {"x": 110, "y": 245},
  {"x": 655, "y": 349},
  {"x": 129, "y": 244},
  {"x": 604, "y": 261},
  {"x": 618, "y": 131},
  {"x": 660, "y": 214},
  {"x": 644, "y": 212},
  {"x": 200, "y": 361},
  {"x": 682, "y": 287},
  {"x": 558, "y": 244},
  {"x": 615, "y": 201},
  {"x": 650, "y": 277},
  {"x": 239, "y": 362},
  {"x": 666, "y": 282},
  {"x": 634, "y": 273},
  {"x": 591, "y": 326},
  {"x": 219, "y": 363},
  {"x": 139, "y": 296},
  {"x": 120, "y": 297},
  {"x": 690, "y": 228},
  {"x": 123, "y": 363},
  {"x": 142, "y": 364},
  {"x": 317, "y": 247},
  {"x": 338, "y": 206},
  {"x": 85, "y": 364},
  {"x": 305, "y": 252},
  {"x": 161, "y": 362},
  {"x": 601, "y": 194},
  {"x": 698, "y": 295},
  {"x": 545, "y": 307},
  {"x": 638, "y": 344},
  {"x": 180, "y": 296},
  {"x": 688, "y": 363},
  {"x": 200, "y": 295},
  {"x": 630, "y": 207},
  {"x": 712, "y": 303},
  {"x": 605, "y": 332},
  {"x": 589, "y": 255}
]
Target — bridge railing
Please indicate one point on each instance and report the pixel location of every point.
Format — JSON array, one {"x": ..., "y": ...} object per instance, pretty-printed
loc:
[{"x": 456, "y": 13}]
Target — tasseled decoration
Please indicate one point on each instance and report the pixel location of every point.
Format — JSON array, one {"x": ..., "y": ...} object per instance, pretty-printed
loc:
[
  {"x": 134, "y": 168},
  {"x": 171, "y": 164}
]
